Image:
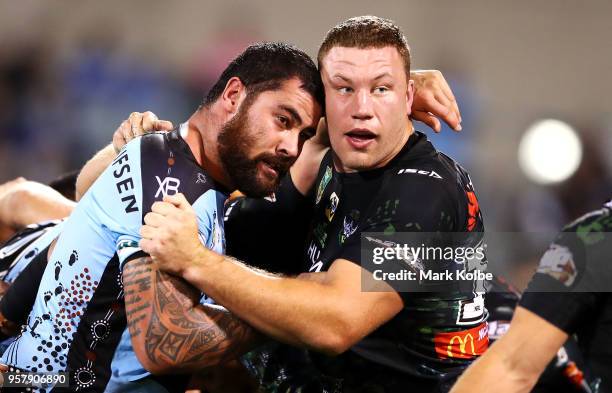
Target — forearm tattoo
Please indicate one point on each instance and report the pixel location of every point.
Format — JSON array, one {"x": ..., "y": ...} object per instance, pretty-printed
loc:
[{"x": 164, "y": 313}]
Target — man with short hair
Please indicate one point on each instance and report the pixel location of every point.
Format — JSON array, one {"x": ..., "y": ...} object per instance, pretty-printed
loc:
[
  {"x": 379, "y": 176},
  {"x": 246, "y": 134}
]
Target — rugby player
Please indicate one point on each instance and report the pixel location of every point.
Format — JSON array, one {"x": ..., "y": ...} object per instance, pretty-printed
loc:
[
  {"x": 575, "y": 272},
  {"x": 431, "y": 92},
  {"x": 380, "y": 175},
  {"x": 78, "y": 321}
]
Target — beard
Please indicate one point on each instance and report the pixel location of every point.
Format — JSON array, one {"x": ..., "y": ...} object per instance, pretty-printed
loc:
[{"x": 235, "y": 141}]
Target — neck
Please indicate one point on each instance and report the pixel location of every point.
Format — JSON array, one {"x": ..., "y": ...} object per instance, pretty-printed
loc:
[{"x": 201, "y": 138}]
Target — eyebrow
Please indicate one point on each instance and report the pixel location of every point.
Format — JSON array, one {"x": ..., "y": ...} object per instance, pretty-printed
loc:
[
  {"x": 293, "y": 113},
  {"x": 384, "y": 74},
  {"x": 344, "y": 78}
]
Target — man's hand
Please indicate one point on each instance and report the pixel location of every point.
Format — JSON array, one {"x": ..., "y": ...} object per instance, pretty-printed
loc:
[
  {"x": 138, "y": 124},
  {"x": 434, "y": 100},
  {"x": 170, "y": 234}
]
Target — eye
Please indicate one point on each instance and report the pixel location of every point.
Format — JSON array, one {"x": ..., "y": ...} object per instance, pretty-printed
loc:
[
  {"x": 381, "y": 89},
  {"x": 284, "y": 121},
  {"x": 345, "y": 90}
]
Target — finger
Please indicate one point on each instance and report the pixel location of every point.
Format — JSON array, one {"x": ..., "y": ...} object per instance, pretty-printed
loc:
[
  {"x": 154, "y": 219},
  {"x": 119, "y": 139},
  {"x": 135, "y": 121},
  {"x": 445, "y": 111},
  {"x": 147, "y": 245},
  {"x": 148, "y": 232},
  {"x": 163, "y": 208},
  {"x": 428, "y": 119},
  {"x": 178, "y": 200},
  {"x": 125, "y": 131},
  {"x": 163, "y": 125},
  {"x": 449, "y": 94},
  {"x": 148, "y": 121}
]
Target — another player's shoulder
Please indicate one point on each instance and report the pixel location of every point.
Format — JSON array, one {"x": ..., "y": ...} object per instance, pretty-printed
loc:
[{"x": 593, "y": 222}]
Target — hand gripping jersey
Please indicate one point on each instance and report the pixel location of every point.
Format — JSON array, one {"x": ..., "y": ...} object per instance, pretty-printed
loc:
[
  {"x": 78, "y": 321},
  {"x": 571, "y": 289}
]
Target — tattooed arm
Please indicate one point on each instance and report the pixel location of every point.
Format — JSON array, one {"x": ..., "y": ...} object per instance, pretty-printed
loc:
[{"x": 171, "y": 332}]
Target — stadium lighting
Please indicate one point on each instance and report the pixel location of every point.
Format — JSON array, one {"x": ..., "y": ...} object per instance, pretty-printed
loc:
[{"x": 550, "y": 151}]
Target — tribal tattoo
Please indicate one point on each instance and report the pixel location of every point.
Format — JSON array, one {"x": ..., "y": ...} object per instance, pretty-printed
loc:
[{"x": 174, "y": 330}]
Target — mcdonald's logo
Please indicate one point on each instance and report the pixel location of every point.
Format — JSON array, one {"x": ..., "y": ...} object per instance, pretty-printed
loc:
[{"x": 464, "y": 344}]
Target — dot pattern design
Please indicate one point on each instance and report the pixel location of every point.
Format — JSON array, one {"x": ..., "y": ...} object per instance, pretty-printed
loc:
[{"x": 51, "y": 331}]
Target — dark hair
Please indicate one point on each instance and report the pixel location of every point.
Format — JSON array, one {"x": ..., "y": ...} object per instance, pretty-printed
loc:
[
  {"x": 265, "y": 66},
  {"x": 366, "y": 32}
]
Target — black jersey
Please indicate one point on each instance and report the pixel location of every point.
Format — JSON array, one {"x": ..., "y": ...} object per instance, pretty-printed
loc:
[
  {"x": 420, "y": 190},
  {"x": 577, "y": 268}
]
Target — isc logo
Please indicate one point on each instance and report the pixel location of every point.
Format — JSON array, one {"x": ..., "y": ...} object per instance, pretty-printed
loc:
[{"x": 168, "y": 186}]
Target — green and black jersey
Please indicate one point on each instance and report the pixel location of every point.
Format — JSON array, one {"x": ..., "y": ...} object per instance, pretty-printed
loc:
[
  {"x": 436, "y": 335},
  {"x": 572, "y": 288},
  {"x": 420, "y": 190}
]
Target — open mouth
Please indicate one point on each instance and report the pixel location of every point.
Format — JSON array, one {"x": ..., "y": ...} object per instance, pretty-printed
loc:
[
  {"x": 269, "y": 170},
  {"x": 360, "y": 138}
]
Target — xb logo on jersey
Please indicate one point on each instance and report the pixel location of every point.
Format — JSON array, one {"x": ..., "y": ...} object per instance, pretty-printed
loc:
[{"x": 168, "y": 186}]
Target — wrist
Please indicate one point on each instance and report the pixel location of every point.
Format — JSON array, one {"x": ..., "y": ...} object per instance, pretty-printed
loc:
[
  {"x": 116, "y": 150},
  {"x": 196, "y": 270}
]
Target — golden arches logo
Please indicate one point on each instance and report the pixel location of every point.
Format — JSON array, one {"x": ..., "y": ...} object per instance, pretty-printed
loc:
[{"x": 462, "y": 344}]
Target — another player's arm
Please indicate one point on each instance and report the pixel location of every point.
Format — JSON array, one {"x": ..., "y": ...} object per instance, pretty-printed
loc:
[
  {"x": 515, "y": 362},
  {"x": 24, "y": 202},
  {"x": 171, "y": 332},
  {"x": 304, "y": 171},
  {"x": 137, "y": 124},
  {"x": 330, "y": 313}
]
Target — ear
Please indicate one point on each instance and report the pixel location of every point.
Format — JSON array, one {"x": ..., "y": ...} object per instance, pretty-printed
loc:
[
  {"x": 233, "y": 94},
  {"x": 410, "y": 95}
]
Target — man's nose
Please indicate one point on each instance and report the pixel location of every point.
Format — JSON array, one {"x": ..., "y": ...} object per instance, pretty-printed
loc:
[
  {"x": 362, "y": 109},
  {"x": 289, "y": 143}
]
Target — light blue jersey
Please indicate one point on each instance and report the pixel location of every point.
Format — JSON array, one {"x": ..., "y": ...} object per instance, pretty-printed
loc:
[{"x": 78, "y": 321}]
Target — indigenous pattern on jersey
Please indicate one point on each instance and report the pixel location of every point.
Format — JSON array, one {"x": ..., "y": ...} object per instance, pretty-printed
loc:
[
  {"x": 421, "y": 189},
  {"x": 78, "y": 318},
  {"x": 21, "y": 249},
  {"x": 575, "y": 273}
]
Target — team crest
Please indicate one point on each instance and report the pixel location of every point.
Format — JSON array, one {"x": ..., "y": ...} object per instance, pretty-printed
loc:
[
  {"x": 323, "y": 184},
  {"x": 333, "y": 205},
  {"x": 349, "y": 226},
  {"x": 558, "y": 262}
]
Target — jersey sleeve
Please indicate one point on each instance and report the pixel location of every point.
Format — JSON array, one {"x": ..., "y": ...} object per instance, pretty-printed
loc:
[
  {"x": 209, "y": 210},
  {"x": 118, "y": 199}
]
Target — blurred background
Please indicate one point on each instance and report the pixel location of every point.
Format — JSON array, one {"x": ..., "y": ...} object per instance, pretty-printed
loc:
[{"x": 533, "y": 81}]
